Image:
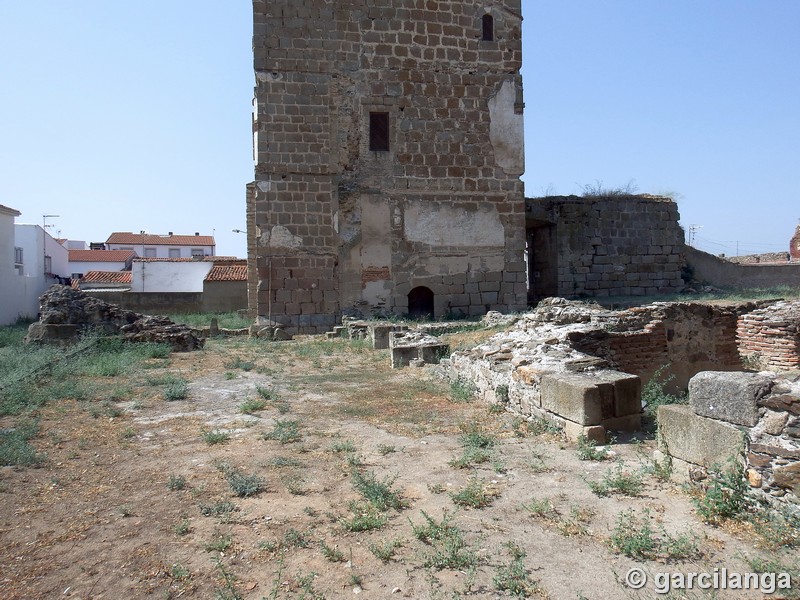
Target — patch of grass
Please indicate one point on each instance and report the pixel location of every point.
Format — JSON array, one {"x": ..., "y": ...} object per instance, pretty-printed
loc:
[
  {"x": 284, "y": 462},
  {"x": 219, "y": 542},
  {"x": 637, "y": 538},
  {"x": 384, "y": 449},
  {"x": 252, "y": 405},
  {"x": 462, "y": 391},
  {"x": 266, "y": 393},
  {"x": 332, "y": 554},
  {"x": 230, "y": 320},
  {"x": 618, "y": 481},
  {"x": 587, "y": 450},
  {"x": 215, "y": 436},
  {"x": 777, "y": 528},
  {"x": 295, "y": 485},
  {"x": 175, "y": 389},
  {"x": 725, "y": 496},
  {"x": 239, "y": 363},
  {"x": 449, "y": 550},
  {"x": 378, "y": 493},
  {"x": 365, "y": 517},
  {"x": 541, "y": 509},
  {"x": 758, "y": 564},
  {"x": 514, "y": 577},
  {"x": 474, "y": 495},
  {"x": 15, "y": 447},
  {"x": 295, "y": 539},
  {"x": 179, "y": 573},
  {"x": 384, "y": 551},
  {"x": 343, "y": 446},
  {"x": 576, "y": 523},
  {"x": 284, "y": 431},
  {"x": 477, "y": 448},
  {"x": 182, "y": 527},
  {"x": 540, "y": 426}
]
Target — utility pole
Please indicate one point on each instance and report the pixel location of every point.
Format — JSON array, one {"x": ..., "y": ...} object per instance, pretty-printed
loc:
[{"x": 692, "y": 231}]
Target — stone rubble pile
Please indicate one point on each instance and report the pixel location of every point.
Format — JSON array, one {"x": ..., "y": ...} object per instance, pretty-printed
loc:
[{"x": 66, "y": 313}]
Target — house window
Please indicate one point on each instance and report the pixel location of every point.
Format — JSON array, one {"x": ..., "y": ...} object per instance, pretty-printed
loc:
[
  {"x": 197, "y": 252},
  {"x": 149, "y": 252},
  {"x": 488, "y": 28},
  {"x": 18, "y": 255},
  {"x": 379, "y": 131},
  {"x": 48, "y": 264},
  {"x": 174, "y": 252}
]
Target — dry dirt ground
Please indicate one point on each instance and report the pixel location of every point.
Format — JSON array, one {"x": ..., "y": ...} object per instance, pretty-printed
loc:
[{"x": 350, "y": 473}]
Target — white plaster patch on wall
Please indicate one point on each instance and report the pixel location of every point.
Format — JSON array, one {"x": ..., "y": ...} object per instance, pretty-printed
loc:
[
  {"x": 440, "y": 225},
  {"x": 506, "y": 130},
  {"x": 279, "y": 237},
  {"x": 264, "y": 186}
]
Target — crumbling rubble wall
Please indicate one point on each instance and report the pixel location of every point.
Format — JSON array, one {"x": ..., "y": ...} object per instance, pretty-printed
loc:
[{"x": 753, "y": 418}]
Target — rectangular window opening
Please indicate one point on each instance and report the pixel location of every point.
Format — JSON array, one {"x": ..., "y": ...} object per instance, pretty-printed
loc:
[{"x": 379, "y": 131}]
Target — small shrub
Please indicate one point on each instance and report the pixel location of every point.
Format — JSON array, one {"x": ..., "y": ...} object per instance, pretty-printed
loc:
[
  {"x": 541, "y": 509},
  {"x": 176, "y": 389},
  {"x": 295, "y": 539},
  {"x": 251, "y": 405},
  {"x": 179, "y": 573},
  {"x": 244, "y": 485},
  {"x": 385, "y": 551},
  {"x": 514, "y": 578},
  {"x": 461, "y": 391},
  {"x": 218, "y": 509},
  {"x": 618, "y": 481},
  {"x": 449, "y": 550},
  {"x": 576, "y": 523},
  {"x": 474, "y": 495},
  {"x": 726, "y": 495},
  {"x": 217, "y": 436},
  {"x": 343, "y": 446},
  {"x": 654, "y": 395},
  {"x": 219, "y": 543},
  {"x": 182, "y": 528},
  {"x": 378, "y": 493},
  {"x": 332, "y": 554},
  {"x": 15, "y": 447},
  {"x": 283, "y": 462},
  {"x": 176, "y": 482},
  {"x": 636, "y": 538},
  {"x": 501, "y": 393},
  {"x": 433, "y": 529},
  {"x": 266, "y": 393},
  {"x": 383, "y": 449},
  {"x": 365, "y": 517},
  {"x": 587, "y": 450},
  {"x": 284, "y": 431}
]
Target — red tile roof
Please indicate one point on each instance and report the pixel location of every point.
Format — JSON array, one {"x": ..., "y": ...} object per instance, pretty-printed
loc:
[
  {"x": 148, "y": 239},
  {"x": 107, "y": 277},
  {"x": 213, "y": 259},
  {"x": 101, "y": 255},
  {"x": 227, "y": 273}
]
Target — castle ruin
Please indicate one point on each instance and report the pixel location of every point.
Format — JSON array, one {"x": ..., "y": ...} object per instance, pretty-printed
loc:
[{"x": 388, "y": 140}]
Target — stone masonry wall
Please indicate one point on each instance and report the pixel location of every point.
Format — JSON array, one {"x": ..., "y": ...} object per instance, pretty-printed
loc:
[
  {"x": 629, "y": 245},
  {"x": 343, "y": 229}
]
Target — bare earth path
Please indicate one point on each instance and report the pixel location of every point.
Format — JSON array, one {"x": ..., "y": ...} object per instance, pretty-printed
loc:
[{"x": 339, "y": 469}]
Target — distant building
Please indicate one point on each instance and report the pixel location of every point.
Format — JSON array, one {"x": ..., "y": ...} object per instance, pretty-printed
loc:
[
  {"x": 118, "y": 281},
  {"x": 148, "y": 245},
  {"x": 83, "y": 261},
  {"x": 794, "y": 245},
  {"x": 177, "y": 274}
]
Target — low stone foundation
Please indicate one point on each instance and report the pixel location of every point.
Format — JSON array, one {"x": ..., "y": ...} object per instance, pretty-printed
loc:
[{"x": 753, "y": 418}]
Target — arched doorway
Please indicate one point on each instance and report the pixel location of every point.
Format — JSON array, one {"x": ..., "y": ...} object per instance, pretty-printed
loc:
[{"x": 420, "y": 303}]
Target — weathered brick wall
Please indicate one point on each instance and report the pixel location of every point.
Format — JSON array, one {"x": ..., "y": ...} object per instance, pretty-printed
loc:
[
  {"x": 615, "y": 246},
  {"x": 769, "y": 338},
  {"x": 684, "y": 338},
  {"x": 443, "y": 207},
  {"x": 720, "y": 272}
]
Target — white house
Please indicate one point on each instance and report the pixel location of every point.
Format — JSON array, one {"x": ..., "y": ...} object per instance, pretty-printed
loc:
[
  {"x": 148, "y": 245},
  {"x": 30, "y": 261},
  {"x": 83, "y": 261},
  {"x": 174, "y": 274},
  {"x": 42, "y": 253}
]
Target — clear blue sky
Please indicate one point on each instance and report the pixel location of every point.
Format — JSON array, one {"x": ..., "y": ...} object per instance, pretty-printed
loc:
[{"x": 123, "y": 116}]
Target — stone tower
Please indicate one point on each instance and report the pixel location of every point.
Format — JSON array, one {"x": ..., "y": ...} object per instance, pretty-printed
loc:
[{"x": 388, "y": 140}]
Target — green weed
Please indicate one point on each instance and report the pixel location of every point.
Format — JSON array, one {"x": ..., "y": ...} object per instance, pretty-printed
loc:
[
  {"x": 461, "y": 391},
  {"x": 587, "y": 450},
  {"x": 284, "y": 431},
  {"x": 637, "y": 538},
  {"x": 725, "y": 496},
  {"x": 618, "y": 481},
  {"x": 216, "y": 436},
  {"x": 474, "y": 495},
  {"x": 176, "y": 482},
  {"x": 252, "y": 405},
  {"x": 378, "y": 493},
  {"x": 175, "y": 389},
  {"x": 514, "y": 577},
  {"x": 15, "y": 447},
  {"x": 365, "y": 517}
]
